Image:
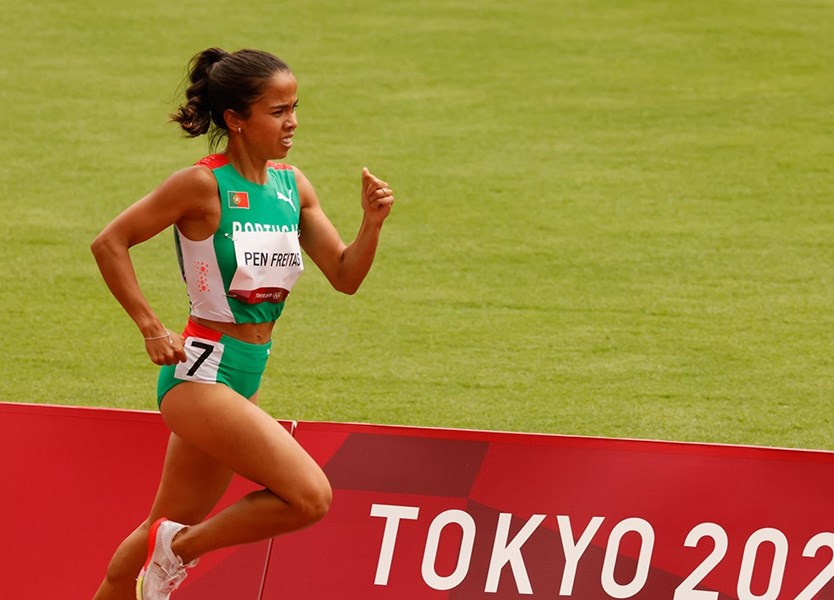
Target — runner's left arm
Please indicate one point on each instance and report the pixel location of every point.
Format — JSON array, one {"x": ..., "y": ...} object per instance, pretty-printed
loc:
[{"x": 345, "y": 266}]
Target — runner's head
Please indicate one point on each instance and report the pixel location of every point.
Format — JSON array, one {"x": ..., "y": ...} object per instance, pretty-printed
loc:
[{"x": 220, "y": 82}]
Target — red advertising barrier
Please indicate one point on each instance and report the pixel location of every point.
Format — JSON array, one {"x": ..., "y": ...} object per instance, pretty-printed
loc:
[
  {"x": 475, "y": 515},
  {"x": 425, "y": 514}
]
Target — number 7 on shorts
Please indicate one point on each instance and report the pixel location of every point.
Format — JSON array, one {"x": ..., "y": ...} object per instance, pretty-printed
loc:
[{"x": 202, "y": 360}]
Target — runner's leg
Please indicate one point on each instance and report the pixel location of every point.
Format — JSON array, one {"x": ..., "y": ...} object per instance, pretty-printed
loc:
[
  {"x": 191, "y": 485},
  {"x": 238, "y": 434}
]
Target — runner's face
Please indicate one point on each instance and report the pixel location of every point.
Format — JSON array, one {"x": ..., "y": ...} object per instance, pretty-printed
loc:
[{"x": 271, "y": 122}]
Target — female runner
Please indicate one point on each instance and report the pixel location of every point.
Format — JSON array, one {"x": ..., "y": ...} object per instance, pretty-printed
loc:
[{"x": 240, "y": 221}]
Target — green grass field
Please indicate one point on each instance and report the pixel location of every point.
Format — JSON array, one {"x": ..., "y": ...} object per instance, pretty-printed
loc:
[{"x": 613, "y": 218}]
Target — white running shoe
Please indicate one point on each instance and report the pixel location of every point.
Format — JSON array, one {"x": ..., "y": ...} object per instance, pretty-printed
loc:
[{"x": 163, "y": 571}]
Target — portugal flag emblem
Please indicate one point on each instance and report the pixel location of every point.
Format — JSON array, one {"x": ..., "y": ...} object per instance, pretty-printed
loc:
[{"x": 238, "y": 199}]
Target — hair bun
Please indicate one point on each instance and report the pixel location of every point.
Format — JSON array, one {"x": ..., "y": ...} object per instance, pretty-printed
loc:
[{"x": 202, "y": 63}]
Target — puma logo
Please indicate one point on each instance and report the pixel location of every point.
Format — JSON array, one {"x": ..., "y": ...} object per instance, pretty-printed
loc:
[{"x": 287, "y": 199}]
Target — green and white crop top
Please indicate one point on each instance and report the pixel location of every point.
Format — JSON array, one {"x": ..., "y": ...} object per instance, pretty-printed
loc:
[{"x": 244, "y": 271}]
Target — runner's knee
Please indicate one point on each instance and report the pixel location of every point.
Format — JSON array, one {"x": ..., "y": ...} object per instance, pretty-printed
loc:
[
  {"x": 314, "y": 502},
  {"x": 129, "y": 556}
]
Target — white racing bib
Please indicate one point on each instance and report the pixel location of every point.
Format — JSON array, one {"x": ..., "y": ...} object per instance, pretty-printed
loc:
[
  {"x": 268, "y": 264},
  {"x": 202, "y": 360}
]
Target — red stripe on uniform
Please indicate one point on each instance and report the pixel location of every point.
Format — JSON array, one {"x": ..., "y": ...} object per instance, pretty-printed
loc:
[
  {"x": 193, "y": 329},
  {"x": 214, "y": 161}
]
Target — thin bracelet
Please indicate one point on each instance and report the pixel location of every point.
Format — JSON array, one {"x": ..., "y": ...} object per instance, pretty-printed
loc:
[{"x": 167, "y": 334}]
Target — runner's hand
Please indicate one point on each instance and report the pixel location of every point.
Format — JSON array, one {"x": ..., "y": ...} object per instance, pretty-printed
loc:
[
  {"x": 166, "y": 350},
  {"x": 377, "y": 197}
]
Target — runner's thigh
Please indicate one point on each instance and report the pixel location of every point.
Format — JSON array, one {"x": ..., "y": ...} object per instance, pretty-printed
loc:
[
  {"x": 192, "y": 483},
  {"x": 241, "y": 436}
]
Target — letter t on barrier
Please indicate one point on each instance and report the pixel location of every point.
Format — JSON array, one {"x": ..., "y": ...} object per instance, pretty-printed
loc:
[{"x": 393, "y": 515}]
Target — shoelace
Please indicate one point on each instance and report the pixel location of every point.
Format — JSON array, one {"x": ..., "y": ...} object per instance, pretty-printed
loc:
[{"x": 172, "y": 581}]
